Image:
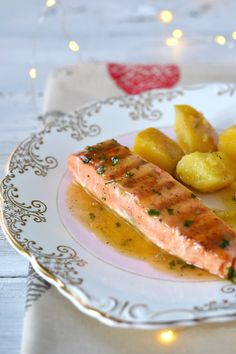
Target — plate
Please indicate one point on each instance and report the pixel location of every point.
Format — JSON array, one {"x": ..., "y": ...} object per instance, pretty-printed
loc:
[{"x": 118, "y": 290}]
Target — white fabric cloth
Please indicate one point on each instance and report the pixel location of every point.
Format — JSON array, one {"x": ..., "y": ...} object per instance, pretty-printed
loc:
[
  {"x": 52, "y": 324},
  {"x": 72, "y": 87}
]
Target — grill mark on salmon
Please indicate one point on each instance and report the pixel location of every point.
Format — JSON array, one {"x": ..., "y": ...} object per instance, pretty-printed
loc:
[
  {"x": 158, "y": 205},
  {"x": 120, "y": 171}
]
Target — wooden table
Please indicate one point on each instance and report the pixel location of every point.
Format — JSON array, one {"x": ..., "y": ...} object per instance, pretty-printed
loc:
[{"x": 110, "y": 31}]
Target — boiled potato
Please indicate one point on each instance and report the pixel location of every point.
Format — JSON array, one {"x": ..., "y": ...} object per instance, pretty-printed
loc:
[
  {"x": 206, "y": 172},
  {"x": 156, "y": 147},
  {"x": 193, "y": 131},
  {"x": 227, "y": 142}
]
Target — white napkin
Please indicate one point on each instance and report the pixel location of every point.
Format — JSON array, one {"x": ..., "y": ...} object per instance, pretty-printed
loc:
[{"x": 52, "y": 324}]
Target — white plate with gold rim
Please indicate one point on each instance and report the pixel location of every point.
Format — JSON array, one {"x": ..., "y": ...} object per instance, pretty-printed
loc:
[{"x": 117, "y": 289}]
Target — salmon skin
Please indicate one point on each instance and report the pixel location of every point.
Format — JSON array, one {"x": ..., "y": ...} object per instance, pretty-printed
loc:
[{"x": 166, "y": 212}]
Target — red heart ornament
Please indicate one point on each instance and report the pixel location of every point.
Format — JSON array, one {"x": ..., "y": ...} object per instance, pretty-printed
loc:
[{"x": 134, "y": 79}]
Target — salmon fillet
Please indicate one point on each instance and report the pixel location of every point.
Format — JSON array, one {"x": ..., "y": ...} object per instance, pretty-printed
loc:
[{"x": 166, "y": 212}]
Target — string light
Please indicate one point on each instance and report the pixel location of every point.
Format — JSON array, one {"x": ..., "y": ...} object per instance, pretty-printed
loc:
[
  {"x": 177, "y": 33},
  {"x": 220, "y": 40},
  {"x": 74, "y": 47},
  {"x": 166, "y": 336},
  {"x": 33, "y": 73},
  {"x": 166, "y": 16},
  {"x": 50, "y": 3},
  {"x": 171, "y": 42}
]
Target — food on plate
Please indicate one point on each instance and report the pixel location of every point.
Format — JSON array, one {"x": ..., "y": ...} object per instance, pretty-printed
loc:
[
  {"x": 193, "y": 131},
  {"x": 156, "y": 147},
  {"x": 119, "y": 235},
  {"x": 165, "y": 211},
  {"x": 206, "y": 171},
  {"x": 202, "y": 168},
  {"x": 227, "y": 142}
]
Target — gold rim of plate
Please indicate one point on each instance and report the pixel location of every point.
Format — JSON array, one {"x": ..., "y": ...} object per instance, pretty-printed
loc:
[{"x": 228, "y": 89}]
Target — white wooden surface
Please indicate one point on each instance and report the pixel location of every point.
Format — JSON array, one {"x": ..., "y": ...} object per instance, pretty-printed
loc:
[{"x": 124, "y": 30}]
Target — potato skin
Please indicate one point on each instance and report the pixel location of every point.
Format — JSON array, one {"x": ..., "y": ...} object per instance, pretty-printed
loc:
[
  {"x": 206, "y": 172},
  {"x": 193, "y": 131},
  {"x": 154, "y": 146},
  {"x": 227, "y": 142}
]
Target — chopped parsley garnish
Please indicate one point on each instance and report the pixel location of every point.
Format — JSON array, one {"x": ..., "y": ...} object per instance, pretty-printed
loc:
[
  {"x": 218, "y": 156},
  {"x": 101, "y": 169},
  {"x": 85, "y": 159},
  {"x": 188, "y": 266},
  {"x": 170, "y": 211},
  {"x": 90, "y": 148},
  {"x": 179, "y": 261},
  {"x": 104, "y": 198},
  {"x": 126, "y": 242},
  {"x": 114, "y": 160},
  {"x": 155, "y": 191},
  {"x": 118, "y": 224},
  {"x": 231, "y": 275},
  {"x": 224, "y": 243},
  {"x": 193, "y": 196},
  {"x": 188, "y": 223},
  {"x": 92, "y": 216},
  {"x": 172, "y": 264},
  {"x": 182, "y": 265},
  {"x": 129, "y": 174},
  {"x": 102, "y": 157},
  {"x": 154, "y": 212}
]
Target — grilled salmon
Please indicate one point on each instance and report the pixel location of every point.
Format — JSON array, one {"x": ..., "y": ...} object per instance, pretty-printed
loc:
[{"x": 165, "y": 211}]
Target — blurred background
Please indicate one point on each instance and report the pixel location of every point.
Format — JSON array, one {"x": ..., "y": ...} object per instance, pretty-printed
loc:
[
  {"x": 37, "y": 37},
  {"x": 36, "y": 34}
]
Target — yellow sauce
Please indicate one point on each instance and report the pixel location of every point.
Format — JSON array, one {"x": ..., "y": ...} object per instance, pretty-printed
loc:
[
  {"x": 228, "y": 198},
  {"x": 117, "y": 233}
]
